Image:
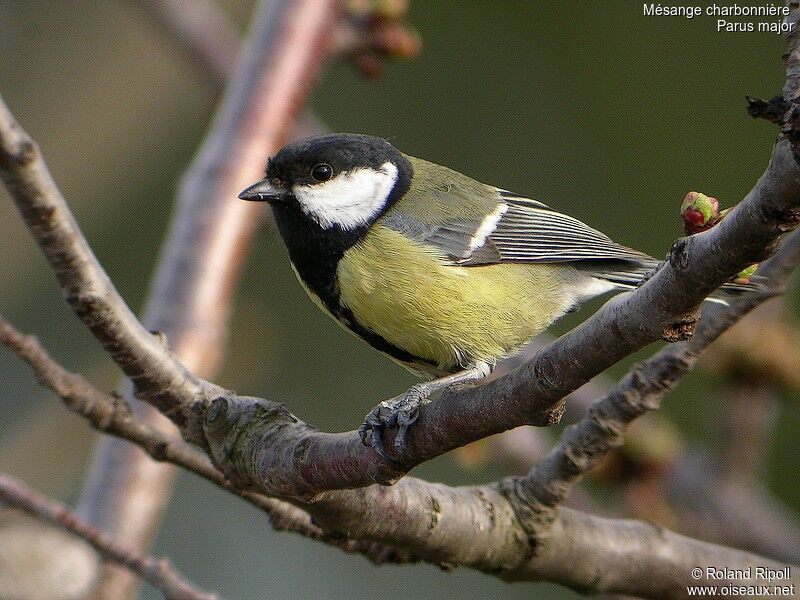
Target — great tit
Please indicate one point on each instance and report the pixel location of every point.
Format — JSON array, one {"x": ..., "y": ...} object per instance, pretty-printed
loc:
[{"x": 443, "y": 274}]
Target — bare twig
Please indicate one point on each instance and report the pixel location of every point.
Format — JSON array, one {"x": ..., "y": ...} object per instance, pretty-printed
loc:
[
  {"x": 108, "y": 413},
  {"x": 159, "y": 573},
  {"x": 86, "y": 287},
  {"x": 202, "y": 31}
]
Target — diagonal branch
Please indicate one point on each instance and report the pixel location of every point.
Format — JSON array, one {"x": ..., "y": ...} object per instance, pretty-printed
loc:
[
  {"x": 583, "y": 446},
  {"x": 84, "y": 283},
  {"x": 209, "y": 237},
  {"x": 110, "y": 414},
  {"x": 159, "y": 573}
]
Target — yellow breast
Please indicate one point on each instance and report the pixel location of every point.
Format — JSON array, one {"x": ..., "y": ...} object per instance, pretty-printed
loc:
[{"x": 448, "y": 315}]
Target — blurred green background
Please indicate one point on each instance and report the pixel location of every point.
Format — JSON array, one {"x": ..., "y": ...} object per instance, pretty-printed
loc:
[{"x": 588, "y": 106}]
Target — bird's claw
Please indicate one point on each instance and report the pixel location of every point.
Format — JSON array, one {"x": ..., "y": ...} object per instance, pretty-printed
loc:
[{"x": 400, "y": 412}]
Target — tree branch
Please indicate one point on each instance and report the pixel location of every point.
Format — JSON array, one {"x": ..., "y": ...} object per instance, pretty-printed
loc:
[
  {"x": 592, "y": 554},
  {"x": 584, "y": 445},
  {"x": 159, "y": 573},
  {"x": 478, "y": 527},
  {"x": 209, "y": 239},
  {"x": 109, "y": 413},
  {"x": 426, "y": 508},
  {"x": 85, "y": 285},
  {"x": 701, "y": 499}
]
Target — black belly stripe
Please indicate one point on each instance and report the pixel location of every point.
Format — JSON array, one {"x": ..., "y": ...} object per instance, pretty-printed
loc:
[{"x": 346, "y": 316}]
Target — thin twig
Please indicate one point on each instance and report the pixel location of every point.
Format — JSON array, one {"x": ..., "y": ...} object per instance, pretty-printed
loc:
[
  {"x": 85, "y": 285},
  {"x": 159, "y": 573}
]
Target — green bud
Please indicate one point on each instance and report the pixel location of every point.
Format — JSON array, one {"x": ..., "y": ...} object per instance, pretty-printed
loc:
[
  {"x": 699, "y": 212},
  {"x": 706, "y": 205}
]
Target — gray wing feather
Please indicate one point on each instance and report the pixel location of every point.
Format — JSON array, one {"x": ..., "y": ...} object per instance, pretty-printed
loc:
[
  {"x": 527, "y": 231},
  {"x": 452, "y": 238},
  {"x": 530, "y": 231}
]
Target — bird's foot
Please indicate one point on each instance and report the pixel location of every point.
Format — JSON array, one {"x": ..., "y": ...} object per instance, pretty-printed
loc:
[{"x": 401, "y": 412}]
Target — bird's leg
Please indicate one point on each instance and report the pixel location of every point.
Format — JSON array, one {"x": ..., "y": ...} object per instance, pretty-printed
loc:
[{"x": 402, "y": 411}]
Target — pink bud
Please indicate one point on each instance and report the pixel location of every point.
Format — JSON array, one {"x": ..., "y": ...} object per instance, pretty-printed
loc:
[{"x": 694, "y": 216}]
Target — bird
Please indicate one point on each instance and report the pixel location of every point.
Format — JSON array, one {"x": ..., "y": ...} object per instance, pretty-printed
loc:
[{"x": 445, "y": 275}]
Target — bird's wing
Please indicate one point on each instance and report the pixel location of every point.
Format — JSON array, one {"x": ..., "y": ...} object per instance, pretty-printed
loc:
[
  {"x": 529, "y": 231},
  {"x": 499, "y": 226}
]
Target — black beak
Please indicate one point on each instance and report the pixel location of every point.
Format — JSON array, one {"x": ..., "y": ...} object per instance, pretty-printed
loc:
[{"x": 263, "y": 191}]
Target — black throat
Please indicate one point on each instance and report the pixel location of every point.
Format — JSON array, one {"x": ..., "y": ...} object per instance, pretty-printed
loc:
[{"x": 315, "y": 251}]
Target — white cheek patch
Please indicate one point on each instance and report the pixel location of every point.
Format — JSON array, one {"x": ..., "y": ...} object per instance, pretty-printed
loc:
[{"x": 349, "y": 200}]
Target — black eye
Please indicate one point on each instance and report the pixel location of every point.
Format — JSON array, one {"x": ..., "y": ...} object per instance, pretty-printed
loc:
[{"x": 322, "y": 172}]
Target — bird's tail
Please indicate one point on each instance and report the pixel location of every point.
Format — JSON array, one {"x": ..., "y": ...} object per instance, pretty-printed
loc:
[{"x": 629, "y": 275}]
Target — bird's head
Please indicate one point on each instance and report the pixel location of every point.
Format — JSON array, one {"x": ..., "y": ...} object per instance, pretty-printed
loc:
[{"x": 337, "y": 181}]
